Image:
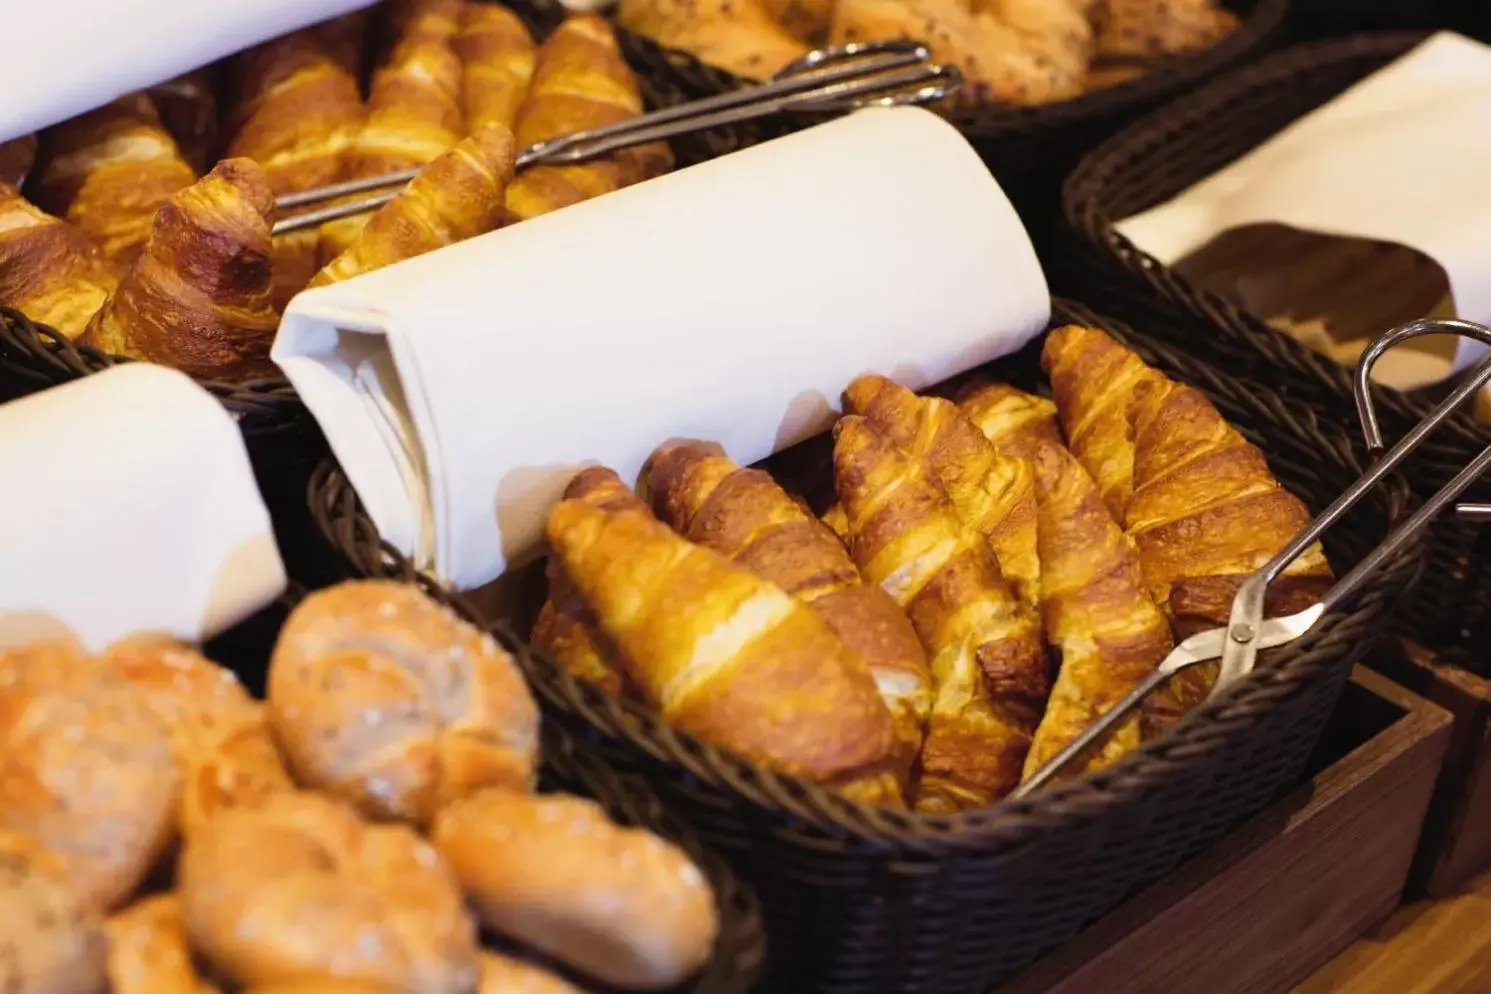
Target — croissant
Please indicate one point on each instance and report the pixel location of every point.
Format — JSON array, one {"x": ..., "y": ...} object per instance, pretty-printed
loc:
[
  {"x": 1098, "y": 614},
  {"x": 108, "y": 172},
  {"x": 804, "y": 20},
  {"x": 738, "y": 36},
  {"x": 48, "y": 269},
  {"x": 414, "y": 108},
  {"x": 989, "y": 677},
  {"x": 458, "y": 196},
  {"x": 744, "y": 515},
  {"x": 198, "y": 297},
  {"x": 992, "y": 494},
  {"x": 498, "y": 56},
  {"x": 721, "y": 653},
  {"x": 188, "y": 108},
  {"x": 566, "y": 628},
  {"x": 1131, "y": 29},
  {"x": 298, "y": 111},
  {"x": 580, "y": 81},
  {"x": 17, "y": 156},
  {"x": 346, "y": 39}
]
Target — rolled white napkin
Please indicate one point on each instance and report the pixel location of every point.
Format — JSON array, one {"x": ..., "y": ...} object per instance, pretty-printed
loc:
[
  {"x": 1403, "y": 156},
  {"x": 731, "y": 301},
  {"x": 129, "y": 506},
  {"x": 65, "y": 57}
]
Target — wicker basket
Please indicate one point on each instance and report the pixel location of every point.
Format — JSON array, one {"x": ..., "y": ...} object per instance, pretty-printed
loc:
[
  {"x": 740, "y": 951},
  {"x": 1030, "y": 149},
  {"x": 1164, "y": 154},
  {"x": 863, "y": 900}
]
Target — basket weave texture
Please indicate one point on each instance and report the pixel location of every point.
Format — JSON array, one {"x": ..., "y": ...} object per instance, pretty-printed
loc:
[
  {"x": 1193, "y": 138},
  {"x": 860, "y": 900}
]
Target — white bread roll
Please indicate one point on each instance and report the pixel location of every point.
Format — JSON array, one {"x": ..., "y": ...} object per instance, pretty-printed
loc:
[
  {"x": 302, "y": 889},
  {"x": 220, "y": 735},
  {"x": 382, "y": 696},
  {"x": 554, "y": 872},
  {"x": 148, "y": 951},
  {"x": 84, "y": 769},
  {"x": 51, "y": 944}
]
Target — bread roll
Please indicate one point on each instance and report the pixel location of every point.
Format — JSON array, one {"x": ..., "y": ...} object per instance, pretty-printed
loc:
[
  {"x": 554, "y": 872},
  {"x": 301, "y": 889},
  {"x": 84, "y": 769},
  {"x": 382, "y": 696},
  {"x": 220, "y": 735},
  {"x": 49, "y": 943},
  {"x": 148, "y": 951}
]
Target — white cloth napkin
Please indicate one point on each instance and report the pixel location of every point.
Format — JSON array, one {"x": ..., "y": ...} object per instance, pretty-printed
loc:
[
  {"x": 128, "y": 505},
  {"x": 1403, "y": 156},
  {"x": 64, "y": 57},
  {"x": 731, "y": 301}
]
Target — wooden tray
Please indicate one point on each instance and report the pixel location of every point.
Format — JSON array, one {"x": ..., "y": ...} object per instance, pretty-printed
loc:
[
  {"x": 1457, "y": 833},
  {"x": 1286, "y": 891}
]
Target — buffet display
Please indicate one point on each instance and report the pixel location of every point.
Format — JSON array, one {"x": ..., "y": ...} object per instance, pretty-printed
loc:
[
  {"x": 112, "y": 238},
  {"x": 370, "y": 824}
]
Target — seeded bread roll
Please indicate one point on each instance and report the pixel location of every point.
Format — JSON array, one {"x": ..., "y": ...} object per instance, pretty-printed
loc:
[
  {"x": 84, "y": 769},
  {"x": 301, "y": 889},
  {"x": 382, "y": 696},
  {"x": 49, "y": 943},
  {"x": 554, "y": 872},
  {"x": 148, "y": 951}
]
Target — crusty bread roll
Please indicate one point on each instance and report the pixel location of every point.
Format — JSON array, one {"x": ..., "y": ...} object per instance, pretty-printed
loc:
[
  {"x": 49, "y": 943},
  {"x": 219, "y": 734},
  {"x": 148, "y": 951},
  {"x": 382, "y": 696},
  {"x": 84, "y": 769},
  {"x": 301, "y": 889},
  {"x": 554, "y": 872},
  {"x": 505, "y": 975}
]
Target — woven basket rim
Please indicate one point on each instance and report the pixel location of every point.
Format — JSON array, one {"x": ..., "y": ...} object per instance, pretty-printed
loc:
[
  {"x": 46, "y": 356},
  {"x": 1262, "y": 19},
  {"x": 1135, "y": 148},
  {"x": 811, "y": 809}
]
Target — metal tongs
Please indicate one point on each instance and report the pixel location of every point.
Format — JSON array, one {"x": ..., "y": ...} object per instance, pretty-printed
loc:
[
  {"x": 845, "y": 77},
  {"x": 1247, "y": 632}
]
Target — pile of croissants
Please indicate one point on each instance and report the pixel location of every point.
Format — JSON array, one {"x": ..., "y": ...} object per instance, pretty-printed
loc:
[
  {"x": 116, "y": 241},
  {"x": 1020, "y": 52},
  {"x": 997, "y": 573},
  {"x": 162, "y": 832}
]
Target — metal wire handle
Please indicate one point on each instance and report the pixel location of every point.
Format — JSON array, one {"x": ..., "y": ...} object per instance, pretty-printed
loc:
[{"x": 842, "y": 78}]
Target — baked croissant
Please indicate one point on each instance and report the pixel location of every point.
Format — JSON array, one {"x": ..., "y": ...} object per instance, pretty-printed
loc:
[
  {"x": 458, "y": 196},
  {"x": 188, "y": 108},
  {"x": 298, "y": 111},
  {"x": 1147, "y": 28},
  {"x": 806, "y": 21},
  {"x": 738, "y": 36},
  {"x": 346, "y": 39},
  {"x": 17, "y": 156},
  {"x": 989, "y": 677},
  {"x": 498, "y": 56},
  {"x": 49, "y": 270},
  {"x": 1098, "y": 615},
  {"x": 721, "y": 653},
  {"x": 108, "y": 172},
  {"x": 580, "y": 82},
  {"x": 992, "y": 494},
  {"x": 198, "y": 297},
  {"x": 414, "y": 108},
  {"x": 566, "y": 629},
  {"x": 744, "y": 515}
]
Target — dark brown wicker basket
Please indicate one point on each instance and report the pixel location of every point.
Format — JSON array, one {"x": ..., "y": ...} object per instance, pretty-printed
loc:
[
  {"x": 863, "y": 900},
  {"x": 740, "y": 951},
  {"x": 1193, "y": 138},
  {"x": 1030, "y": 149}
]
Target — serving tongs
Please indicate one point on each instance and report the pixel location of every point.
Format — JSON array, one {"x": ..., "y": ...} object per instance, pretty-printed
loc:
[
  {"x": 829, "y": 80},
  {"x": 1247, "y": 632}
]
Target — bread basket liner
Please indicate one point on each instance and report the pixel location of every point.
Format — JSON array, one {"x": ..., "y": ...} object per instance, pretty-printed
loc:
[
  {"x": 859, "y": 899},
  {"x": 1190, "y": 139}
]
